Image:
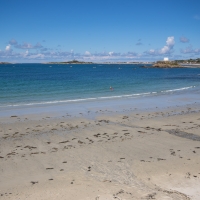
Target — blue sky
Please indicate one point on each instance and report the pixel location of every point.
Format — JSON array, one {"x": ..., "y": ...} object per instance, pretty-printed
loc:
[{"x": 99, "y": 30}]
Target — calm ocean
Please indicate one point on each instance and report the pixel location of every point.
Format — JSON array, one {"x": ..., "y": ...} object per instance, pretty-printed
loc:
[{"x": 38, "y": 84}]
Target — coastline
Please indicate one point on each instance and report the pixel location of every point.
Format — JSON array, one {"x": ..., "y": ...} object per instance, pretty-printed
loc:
[
  {"x": 132, "y": 148},
  {"x": 106, "y": 63}
]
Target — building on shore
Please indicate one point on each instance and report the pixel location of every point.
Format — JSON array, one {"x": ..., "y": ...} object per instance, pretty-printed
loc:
[{"x": 166, "y": 59}]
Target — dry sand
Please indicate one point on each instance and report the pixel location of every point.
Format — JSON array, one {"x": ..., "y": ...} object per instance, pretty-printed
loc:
[{"x": 130, "y": 155}]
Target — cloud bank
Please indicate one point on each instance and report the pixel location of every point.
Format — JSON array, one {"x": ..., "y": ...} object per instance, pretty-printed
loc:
[
  {"x": 28, "y": 46},
  {"x": 190, "y": 50},
  {"x": 26, "y": 52}
]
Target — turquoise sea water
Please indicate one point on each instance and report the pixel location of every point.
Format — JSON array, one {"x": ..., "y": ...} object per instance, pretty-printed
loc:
[{"x": 40, "y": 84}]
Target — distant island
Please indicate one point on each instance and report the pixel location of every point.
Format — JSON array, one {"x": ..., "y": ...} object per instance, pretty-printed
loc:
[
  {"x": 4, "y": 63},
  {"x": 70, "y": 62}
]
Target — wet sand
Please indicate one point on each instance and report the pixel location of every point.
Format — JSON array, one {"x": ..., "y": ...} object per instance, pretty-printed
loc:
[{"x": 102, "y": 154}]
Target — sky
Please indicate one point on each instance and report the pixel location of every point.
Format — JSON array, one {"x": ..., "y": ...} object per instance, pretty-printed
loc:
[{"x": 99, "y": 30}]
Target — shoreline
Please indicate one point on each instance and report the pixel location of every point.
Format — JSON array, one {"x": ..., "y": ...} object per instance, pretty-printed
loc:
[
  {"x": 136, "y": 148},
  {"x": 108, "y": 63},
  {"x": 143, "y": 101}
]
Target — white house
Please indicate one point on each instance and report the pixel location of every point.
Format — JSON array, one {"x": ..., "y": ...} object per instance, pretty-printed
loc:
[{"x": 166, "y": 59}]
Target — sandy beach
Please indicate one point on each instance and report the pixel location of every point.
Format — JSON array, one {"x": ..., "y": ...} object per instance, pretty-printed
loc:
[{"x": 132, "y": 154}]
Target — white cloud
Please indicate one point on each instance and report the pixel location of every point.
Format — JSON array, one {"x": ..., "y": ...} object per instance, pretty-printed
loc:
[
  {"x": 170, "y": 41},
  {"x": 8, "y": 47},
  {"x": 167, "y": 49},
  {"x": 152, "y": 51},
  {"x": 87, "y": 53}
]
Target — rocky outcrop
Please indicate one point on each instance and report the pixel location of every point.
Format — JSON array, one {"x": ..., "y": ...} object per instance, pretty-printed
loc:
[{"x": 166, "y": 64}]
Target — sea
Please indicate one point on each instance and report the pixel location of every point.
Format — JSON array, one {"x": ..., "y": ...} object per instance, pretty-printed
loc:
[{"x": 32, "y": 85}]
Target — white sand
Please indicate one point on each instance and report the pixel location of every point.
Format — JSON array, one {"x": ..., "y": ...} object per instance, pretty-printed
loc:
[{"x": 113, "y": 156}]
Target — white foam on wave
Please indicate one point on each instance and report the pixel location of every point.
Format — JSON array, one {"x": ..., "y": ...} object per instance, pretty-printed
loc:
[
  {"x": 179, "y": 89},
  {"x": 109, "y": 97},
  {"x": 50, "y": 102}
]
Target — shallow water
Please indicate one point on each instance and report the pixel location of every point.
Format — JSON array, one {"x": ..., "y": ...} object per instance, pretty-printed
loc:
[{"x": 42, "y": 85}]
